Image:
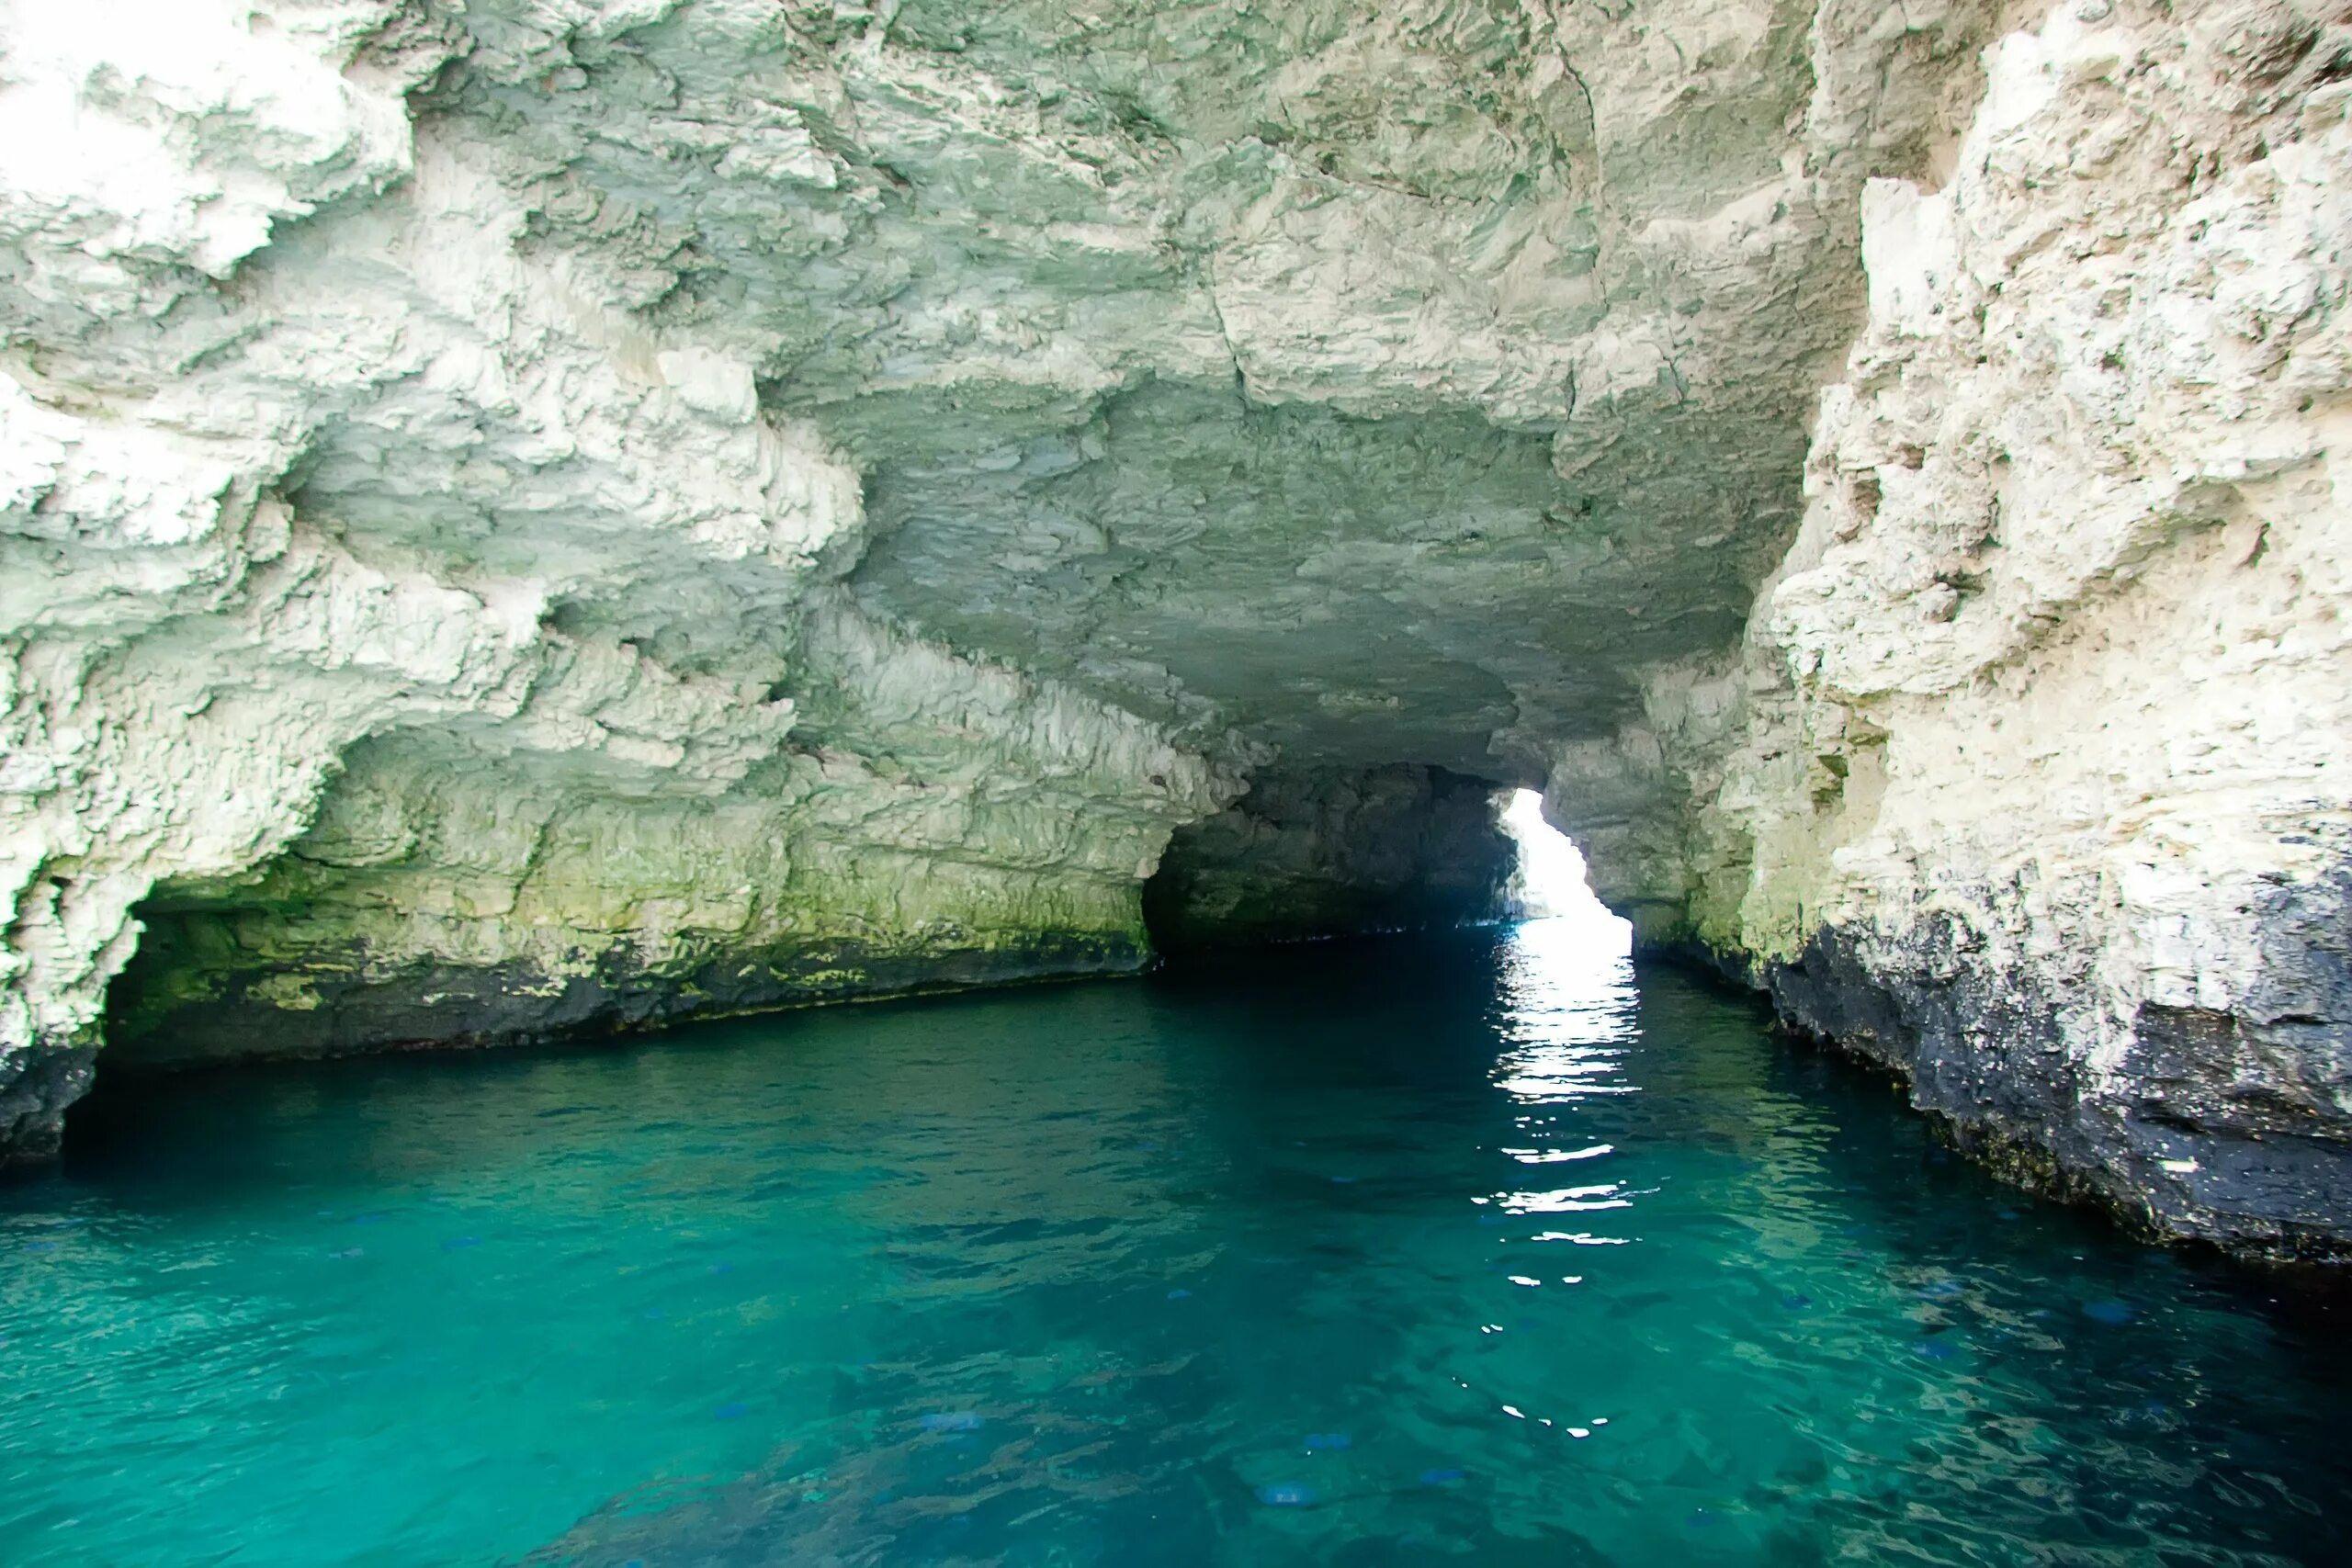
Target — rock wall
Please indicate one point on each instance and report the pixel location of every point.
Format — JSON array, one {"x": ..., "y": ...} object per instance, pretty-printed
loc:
[
  {"x": 2032, "y": 781},
  {"x": 1329, "y": 854},
  {"x": 389, "y": 596},
  {"x": 930, "y": 823}
]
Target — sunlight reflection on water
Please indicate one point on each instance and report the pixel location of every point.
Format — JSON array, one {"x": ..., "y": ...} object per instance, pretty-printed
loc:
[{"x": 1568, "y": 1007}]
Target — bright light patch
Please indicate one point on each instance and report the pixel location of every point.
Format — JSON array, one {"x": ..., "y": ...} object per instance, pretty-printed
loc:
[{"x": 1549, "y": 884}]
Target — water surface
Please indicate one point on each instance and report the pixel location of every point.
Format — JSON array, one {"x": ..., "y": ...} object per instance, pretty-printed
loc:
[{"x": 1402, "y": 1253}]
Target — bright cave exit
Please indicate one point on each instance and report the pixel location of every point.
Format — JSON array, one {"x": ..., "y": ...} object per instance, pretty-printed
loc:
[{"x": 1549, "y": 881}]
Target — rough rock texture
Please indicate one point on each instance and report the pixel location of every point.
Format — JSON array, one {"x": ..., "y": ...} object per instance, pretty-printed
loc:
[
  {"x": 2032, "y": 781},
  {"x": 1326, "y": 853},
  {"x": 930, "y": 823},
  {"x": 1434, "y": 371},
  {"x": 350, "y": 519}
]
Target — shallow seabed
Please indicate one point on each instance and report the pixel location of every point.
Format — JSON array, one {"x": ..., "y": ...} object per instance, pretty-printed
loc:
[{"x": 1380, "y": 1254}]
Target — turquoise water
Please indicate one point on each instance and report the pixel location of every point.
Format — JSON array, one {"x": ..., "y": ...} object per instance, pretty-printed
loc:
[{"x": 1399, "y": 1253}]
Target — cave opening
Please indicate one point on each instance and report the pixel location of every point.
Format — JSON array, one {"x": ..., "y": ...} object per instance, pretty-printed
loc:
[
  {"x": 1548, "y": 881},
  {"x": 1313, "y": 854}
]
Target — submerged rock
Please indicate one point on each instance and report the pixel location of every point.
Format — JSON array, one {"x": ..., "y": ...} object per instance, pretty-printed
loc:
[{"x": 953, "y": 1421}]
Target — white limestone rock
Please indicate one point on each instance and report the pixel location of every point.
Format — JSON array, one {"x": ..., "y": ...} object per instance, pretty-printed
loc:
[{"x": 2044, "y": 796}]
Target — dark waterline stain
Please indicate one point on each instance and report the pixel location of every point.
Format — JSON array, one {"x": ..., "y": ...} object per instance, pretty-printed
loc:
[{"x": 1618, "y": 1278}]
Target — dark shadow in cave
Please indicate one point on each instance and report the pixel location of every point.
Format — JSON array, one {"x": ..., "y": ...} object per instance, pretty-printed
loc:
[{"x": 1315, "y": 853}]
